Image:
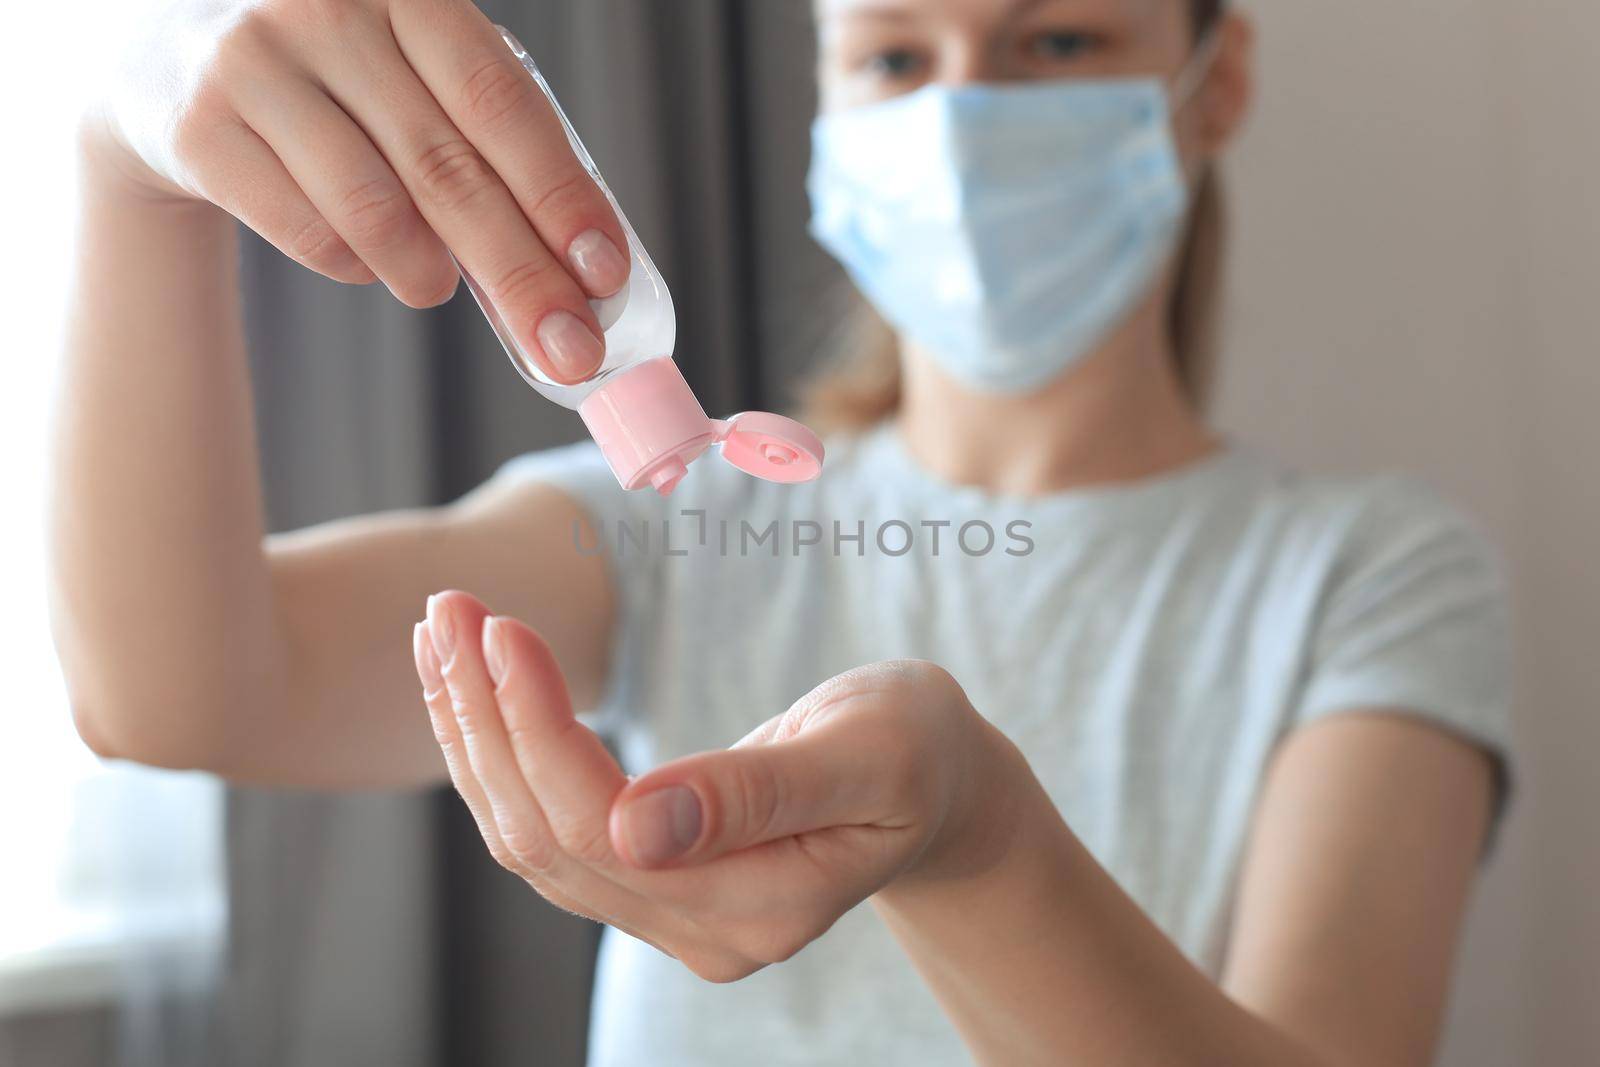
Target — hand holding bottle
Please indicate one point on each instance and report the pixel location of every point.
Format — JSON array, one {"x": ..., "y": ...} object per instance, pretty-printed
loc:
[{"x": 370, "y": 140}]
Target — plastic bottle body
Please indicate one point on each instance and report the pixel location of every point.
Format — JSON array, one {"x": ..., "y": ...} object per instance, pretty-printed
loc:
[
  {"x": 637, "y": 406},
  {"x": 639, "y": 321}
]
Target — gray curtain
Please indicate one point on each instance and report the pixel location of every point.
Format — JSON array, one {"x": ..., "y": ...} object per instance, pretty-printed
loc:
[{"x": 374, "y": 929}]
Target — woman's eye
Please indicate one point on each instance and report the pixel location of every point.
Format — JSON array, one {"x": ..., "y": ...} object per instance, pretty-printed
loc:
[
  {"x": 1059, "y": 45},
  {"x": 895, "y": 64}
]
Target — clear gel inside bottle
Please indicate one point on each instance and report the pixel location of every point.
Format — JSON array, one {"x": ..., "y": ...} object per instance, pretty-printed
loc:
[{"x": 637, "y": 406}]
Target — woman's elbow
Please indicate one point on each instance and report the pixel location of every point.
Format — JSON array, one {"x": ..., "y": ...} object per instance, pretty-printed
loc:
[
  {"x": 92, "y": 733},
  {"x": 119, "y": 732}
]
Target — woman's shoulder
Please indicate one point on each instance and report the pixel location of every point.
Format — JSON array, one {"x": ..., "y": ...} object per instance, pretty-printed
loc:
[
  {"x": 1408, "y": 605},
  {"x": 1367, "y": 520}
]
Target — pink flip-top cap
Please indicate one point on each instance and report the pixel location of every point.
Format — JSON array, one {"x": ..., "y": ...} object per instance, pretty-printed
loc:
[{"x": 650, "y": 427}]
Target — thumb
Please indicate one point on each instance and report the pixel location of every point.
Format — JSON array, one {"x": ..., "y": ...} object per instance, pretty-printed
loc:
[{"x": 703, "y": 806}]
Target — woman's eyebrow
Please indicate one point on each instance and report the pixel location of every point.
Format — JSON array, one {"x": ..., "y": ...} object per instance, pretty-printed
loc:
[
  {"x": 893, "y": 12},
  {"x": 1023, "y": 7},
  {"x": 899, "y": 12}
]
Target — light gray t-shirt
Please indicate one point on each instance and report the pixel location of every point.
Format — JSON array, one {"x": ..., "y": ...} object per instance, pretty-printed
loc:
[{"x": 1146, "y": 645}]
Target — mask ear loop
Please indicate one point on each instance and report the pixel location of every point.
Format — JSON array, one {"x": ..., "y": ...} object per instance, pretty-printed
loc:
[{"x": 1198, "y": 68}]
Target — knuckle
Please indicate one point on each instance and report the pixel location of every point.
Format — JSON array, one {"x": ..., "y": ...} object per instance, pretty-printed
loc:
[
  {"x": 943, "y": 689},
  {"x": 720, "y": 967},
  {"x": 377, "y": 214},
  {"x": 443, "y": 735},
  {"x": 758, "y": 794},
  {"x": 501, "y": 854},
  {"x": 523, "y": 737},
  {"x": 261, "y": 41},
  {"x": 527, "y": 851},
  {"x": 445, "y": 289},
  {"x": 204, "y": 108},
  {"x": 467, "y": 722},
  {"x": 563, "y": 195},
  {"x": 451, "y": 175},
  {"x": 196, "y": 128},
  {"x": 487, "y": 829},
  {"x": 842, "y": 692},
  {"x": 774, "y": 940},
  {"x": 444, "y": 731},
  {"x": 336, "y": 15},
  {"x": 432, "y": 288},
  {"x": 495, "y": 91},
  {"x": 921, "y": 672},
  {"x": 528, "y": 282},
  {"x": 585, "y": 840},
  {"x": 316, "y": 244},
  {"x": 251, "y": 37},
  {"x": 903, "y": 770}
]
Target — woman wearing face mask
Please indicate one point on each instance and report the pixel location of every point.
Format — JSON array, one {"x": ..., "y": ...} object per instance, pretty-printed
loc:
[{"x": 1161, "y": 753}]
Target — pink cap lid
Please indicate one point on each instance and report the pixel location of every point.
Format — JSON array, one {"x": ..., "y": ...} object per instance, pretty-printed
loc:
[{"x": 650, "y": 427}]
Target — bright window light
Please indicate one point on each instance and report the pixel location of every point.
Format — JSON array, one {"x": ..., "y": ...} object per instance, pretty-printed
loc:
[{"x": 99, "y": 862}]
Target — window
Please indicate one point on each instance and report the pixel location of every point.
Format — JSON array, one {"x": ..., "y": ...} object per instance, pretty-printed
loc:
[{"x": 104, "y": 866}]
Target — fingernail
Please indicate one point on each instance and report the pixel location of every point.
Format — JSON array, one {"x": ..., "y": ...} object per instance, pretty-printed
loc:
[
  {"x": 600, "y": 266},
  {"x": 427, "y": 659},
  {"x": 663, "y": 825},
  {"x": 494, "y": 653},
  {"x": 573, "y": 350},
  {"x": 439, "y": 625}
]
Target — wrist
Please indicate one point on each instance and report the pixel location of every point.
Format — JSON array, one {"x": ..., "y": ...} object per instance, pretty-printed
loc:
[
  {"x": 996, "y": 812},
  {"x": 111, "y": 168},
  {"x": 1015, "y": 858}
]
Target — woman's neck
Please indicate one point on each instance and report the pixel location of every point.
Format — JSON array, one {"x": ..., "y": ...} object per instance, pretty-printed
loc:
[{"x": 1119, "y": 415}]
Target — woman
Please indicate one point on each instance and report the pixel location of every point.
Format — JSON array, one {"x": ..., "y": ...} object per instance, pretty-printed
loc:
[{"x": 1163, "y": 754}]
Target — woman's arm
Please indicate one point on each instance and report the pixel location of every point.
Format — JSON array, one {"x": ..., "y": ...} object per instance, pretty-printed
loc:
[
  {"x": 187, "y": 639},
  {"x": 368, "y": 141},
  {"x": 885, "y": 783},
  {"x": 1360, "y": 865},
  {"x": 156, "y": 521}
]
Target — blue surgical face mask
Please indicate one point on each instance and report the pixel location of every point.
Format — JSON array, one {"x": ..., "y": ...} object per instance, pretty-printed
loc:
[{"x": 1005, "y": 229}]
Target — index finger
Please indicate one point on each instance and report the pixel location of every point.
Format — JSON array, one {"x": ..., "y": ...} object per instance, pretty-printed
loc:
[
  {"x": 573, "y": 778},
  {"x": 482, "y": 77}
]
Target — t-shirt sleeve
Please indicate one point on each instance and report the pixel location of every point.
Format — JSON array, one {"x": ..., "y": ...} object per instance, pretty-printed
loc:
[
  {"x": 1416, "y": 621},
  {"x": 580, "y": 471}
]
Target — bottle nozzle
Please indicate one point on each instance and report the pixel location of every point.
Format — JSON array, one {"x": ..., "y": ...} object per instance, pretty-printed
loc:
[
  {"x": 650, "y": 427},
  {"x": 667, "y": 474}
]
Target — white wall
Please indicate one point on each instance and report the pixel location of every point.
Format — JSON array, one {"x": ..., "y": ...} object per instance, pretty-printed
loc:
[{"x": 1417, "y": 285}]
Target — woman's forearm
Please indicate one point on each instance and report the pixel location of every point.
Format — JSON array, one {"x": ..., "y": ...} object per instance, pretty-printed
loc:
[
  {"x": 162, "y": 605},
  {"x": 1043, "y": 959}
]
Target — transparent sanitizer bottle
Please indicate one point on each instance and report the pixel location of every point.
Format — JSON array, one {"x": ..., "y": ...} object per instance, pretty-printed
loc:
[{"x": 637, "y": 406}]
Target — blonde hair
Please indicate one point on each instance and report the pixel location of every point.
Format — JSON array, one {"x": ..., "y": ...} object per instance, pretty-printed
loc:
[{"x": 860, "y": 385}]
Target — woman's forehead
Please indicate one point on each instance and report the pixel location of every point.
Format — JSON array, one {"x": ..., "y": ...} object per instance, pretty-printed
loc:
[{"x": 989, "y": 9}]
